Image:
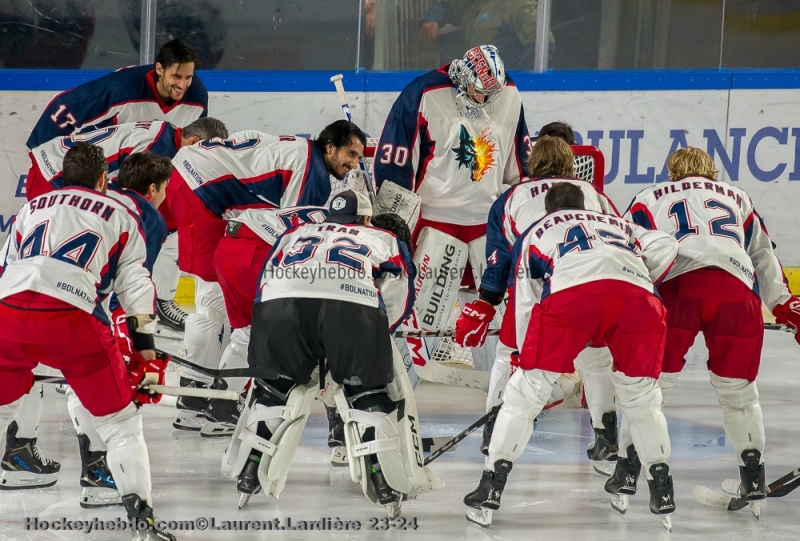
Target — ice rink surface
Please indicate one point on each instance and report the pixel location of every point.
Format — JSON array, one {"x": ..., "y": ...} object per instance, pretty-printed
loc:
[{"x": 552, "y": 493}]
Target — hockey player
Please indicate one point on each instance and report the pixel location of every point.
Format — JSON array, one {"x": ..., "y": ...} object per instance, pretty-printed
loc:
[
  {"x": 454, "y": 136},
  {"x": 69, "y": 251},
  {"x": 578, "y": 272},
  {"x": 238, "y": 261},
  {"x": 168, "y": 90},
  {"x": 712, "y": 288},
  {"x": 338, "y": 319},
  {"x": 215, "y": 180},
  {"x": 550, "y": 161},
  {"x": 141, "y": 187}
]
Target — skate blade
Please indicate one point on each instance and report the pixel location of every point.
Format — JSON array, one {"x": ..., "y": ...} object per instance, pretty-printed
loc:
[
  {"x": 217, "y": 430},
  {"x": 192, "y": 421},
  {"x": 619, "y": 502},
  {"x": 666, "y": 520},
  {"x": 480, "y": 516},
  {"x": 93, "y": 497},
  {"x": 604, "y": 468},
  {"x": 755, "y": 507},
  {"x": 243, "y": 500},
  {"x": 14, "y": 480},
  {"x": 393, "y": 509}
]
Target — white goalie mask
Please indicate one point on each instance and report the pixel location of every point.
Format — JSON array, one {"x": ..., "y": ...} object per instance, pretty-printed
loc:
[{"x": 479, "y": 73}]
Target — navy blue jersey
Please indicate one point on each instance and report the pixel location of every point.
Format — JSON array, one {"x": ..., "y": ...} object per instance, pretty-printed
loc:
[{"x": 126, "y": 95}]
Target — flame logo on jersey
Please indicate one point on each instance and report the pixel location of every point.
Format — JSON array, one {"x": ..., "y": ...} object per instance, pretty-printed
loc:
[{"x": 475, "y": 153}]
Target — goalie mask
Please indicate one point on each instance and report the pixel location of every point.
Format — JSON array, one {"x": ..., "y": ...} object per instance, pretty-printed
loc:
[{"x": 479, "y": 73}]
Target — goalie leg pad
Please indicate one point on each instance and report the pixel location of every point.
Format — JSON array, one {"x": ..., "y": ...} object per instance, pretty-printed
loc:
[
  {"x": 123, "y": 436},
  {"x": 440, "y": 259},
  {"x": 526, "y": 394},
  {"x": 743, "y": 420},
  {"x": 594, "y": 366},
  {"x": 640, "y": 401},
  {"x": 397, "y": 200}
]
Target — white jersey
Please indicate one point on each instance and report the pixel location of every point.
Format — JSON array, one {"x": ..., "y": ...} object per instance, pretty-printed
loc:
[
  {"x": 351, "y": 262},
  {"x": 79, "y": 245},
  {"x": 716, "y": 225},
  {"x": 514, "y": 212},
  {"x": 457, "y": 158},
  {"x": 573, "y": 247},
  {"x": 252, "y": 169},
  {"x": 270, "y": 224},
  {"x": 117, "y": 143}
]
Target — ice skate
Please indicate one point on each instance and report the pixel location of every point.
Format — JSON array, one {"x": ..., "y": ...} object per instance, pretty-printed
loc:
[
  {"x": 486, "y": 498},
  {"x": 335, "y": 428},
  {"x": 662, "y": 494},
  {"x": 23, "y": 465},
  {"x": 141, "y": 515},
  {"x": 604, "y": 447},
  {"x": 98, "y": 487},
  {"x": 753, "y": 484},
  {"x": 623, "y": 483},
  {"x": 339, "y": 457},
  {"x": 221, "y": 417},
  {"x": 170, "y": 315},
  {"x": 389, "y": 498},
  {"x": 191, "y": 409},
  {"x": 248, "y": 483}
]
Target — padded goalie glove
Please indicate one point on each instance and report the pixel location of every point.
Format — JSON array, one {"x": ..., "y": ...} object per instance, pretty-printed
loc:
[
  {"x": 473, "y": 324},
  {"x": 788, "y": 313},
  {"x": 143, "y": 373}
]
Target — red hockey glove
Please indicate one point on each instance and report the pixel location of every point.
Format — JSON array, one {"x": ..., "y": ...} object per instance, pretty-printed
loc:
[
  {"x": 473, "y": 323},
  {"x": 119, "y": 326},
  {"x": 788, "y": 313},
  {"x": 143, "y": 373}
]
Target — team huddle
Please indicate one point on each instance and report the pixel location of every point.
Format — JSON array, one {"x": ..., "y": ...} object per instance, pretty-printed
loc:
[{"x": 300, "y": 287}]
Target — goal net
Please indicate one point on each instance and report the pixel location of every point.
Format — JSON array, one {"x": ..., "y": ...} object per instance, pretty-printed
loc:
[{"x": 588, "y": 165}]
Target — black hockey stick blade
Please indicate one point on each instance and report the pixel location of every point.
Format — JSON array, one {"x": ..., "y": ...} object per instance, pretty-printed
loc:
[
  {"x": 460, "y": 437},
  {"x": 785, "y": 484}
]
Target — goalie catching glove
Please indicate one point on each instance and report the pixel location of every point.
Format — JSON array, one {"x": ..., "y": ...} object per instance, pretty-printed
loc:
[
  {"x": 788, "y": 313},
  {"x": 143, "y": 373},
  {"x": 473, "y": 324}
]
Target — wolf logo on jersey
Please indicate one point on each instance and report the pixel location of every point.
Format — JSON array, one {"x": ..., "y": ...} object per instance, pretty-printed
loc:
[{"x": 475, "y": 154}]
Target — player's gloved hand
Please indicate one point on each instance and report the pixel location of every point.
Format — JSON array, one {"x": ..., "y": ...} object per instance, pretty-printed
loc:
[
  {"x": 788, "y": 313},
  {"x": 473, "y": 323},
  {"x": 145, "y": 372}
]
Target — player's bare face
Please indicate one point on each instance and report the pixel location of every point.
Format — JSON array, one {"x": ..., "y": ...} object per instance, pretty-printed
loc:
[
  {"x": 342, "y": 160},
  {"x": 174, "y": 81}
]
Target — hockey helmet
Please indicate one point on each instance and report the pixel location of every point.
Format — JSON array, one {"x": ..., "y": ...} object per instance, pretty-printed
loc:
[{"x": 480, "y": 72}]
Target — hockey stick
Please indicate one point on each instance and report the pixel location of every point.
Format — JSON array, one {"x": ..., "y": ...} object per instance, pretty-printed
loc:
[
  {"x": 440, "y": 333},
  {"x": 777, "y": 489},
  {"x": 168, "y": 390},
  {"x": 461, "y": 436},
  {"x": 337, "y": 82}
]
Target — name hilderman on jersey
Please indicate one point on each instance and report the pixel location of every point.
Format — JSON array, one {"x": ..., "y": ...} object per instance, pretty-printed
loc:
[
  {"x": 69, "y": 288},
  {"x": 717, "y": 187}
]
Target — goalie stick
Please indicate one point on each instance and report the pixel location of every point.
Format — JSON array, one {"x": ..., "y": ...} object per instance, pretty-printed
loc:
[
  {"x": 462, "y": 435},
  {"x": 777, "y": 489},
  {"x": 337, "y": 82}
]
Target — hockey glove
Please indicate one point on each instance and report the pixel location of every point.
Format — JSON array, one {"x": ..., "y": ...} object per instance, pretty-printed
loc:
[
  {"x": 788, "y": 313},
  {"x": 473, "y": 324},
  {"x": 143, "y": 373}
]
